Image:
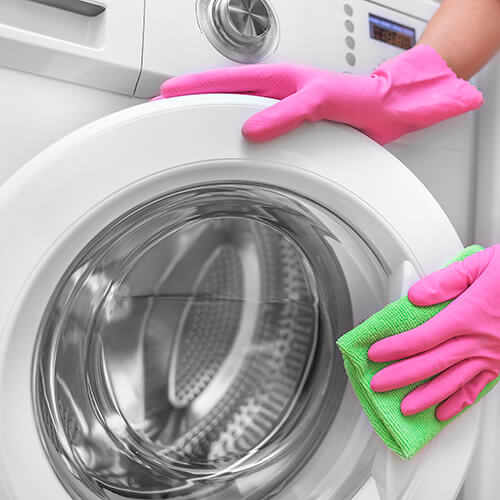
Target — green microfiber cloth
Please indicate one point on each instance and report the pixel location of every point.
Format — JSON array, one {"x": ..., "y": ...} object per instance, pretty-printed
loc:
[{"x": 404, "y": 435}]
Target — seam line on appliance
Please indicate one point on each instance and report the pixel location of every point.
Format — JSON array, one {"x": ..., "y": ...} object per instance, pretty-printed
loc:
[
  {"x": 475, "y": 184},
  {"x": 142, "y": 47}
]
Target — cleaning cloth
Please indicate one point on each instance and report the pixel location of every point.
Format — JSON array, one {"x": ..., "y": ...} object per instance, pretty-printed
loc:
[{"x": 404, "y": 435}]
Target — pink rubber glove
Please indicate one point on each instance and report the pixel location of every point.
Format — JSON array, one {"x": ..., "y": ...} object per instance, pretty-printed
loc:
[
  {"x": 461, "y": 343},
  {"x": 409, "y": 92}
]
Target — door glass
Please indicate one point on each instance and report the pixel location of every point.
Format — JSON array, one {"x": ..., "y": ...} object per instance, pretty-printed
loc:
[{"x": 192, "y": 344}]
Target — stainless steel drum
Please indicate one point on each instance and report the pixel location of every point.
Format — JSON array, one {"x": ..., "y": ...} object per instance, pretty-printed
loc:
[{"x": 188, "y": 340}]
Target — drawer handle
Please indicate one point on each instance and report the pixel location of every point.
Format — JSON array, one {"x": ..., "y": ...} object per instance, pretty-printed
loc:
[{"x": 76, "y": 6}]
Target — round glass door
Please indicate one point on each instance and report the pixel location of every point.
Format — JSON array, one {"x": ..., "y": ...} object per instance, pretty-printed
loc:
[{"x": 192, "y": 344}]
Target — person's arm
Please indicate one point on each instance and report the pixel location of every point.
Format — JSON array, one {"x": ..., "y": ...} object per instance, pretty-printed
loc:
[{"x": 466, "y": 33}]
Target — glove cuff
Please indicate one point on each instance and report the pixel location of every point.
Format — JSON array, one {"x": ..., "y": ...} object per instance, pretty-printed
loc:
[{"x": 420, "y": 90}]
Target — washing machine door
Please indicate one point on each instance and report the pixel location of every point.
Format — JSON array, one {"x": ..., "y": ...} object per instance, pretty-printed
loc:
[{"x": 170, "y": 299}]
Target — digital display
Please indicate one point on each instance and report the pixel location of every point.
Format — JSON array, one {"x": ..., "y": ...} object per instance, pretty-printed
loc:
[{"x": 392, "y": 33}]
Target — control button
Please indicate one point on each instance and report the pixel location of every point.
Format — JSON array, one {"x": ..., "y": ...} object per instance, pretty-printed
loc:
[
  {"x": 349, "y": 26},
  {"x": 348, "y": 9},
  {"x": 350, "y": 59},
  {"x": 349, "y": 40}
]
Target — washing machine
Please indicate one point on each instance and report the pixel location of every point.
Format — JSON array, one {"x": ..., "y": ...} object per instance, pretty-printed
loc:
[{"x": 171, "y": 294}]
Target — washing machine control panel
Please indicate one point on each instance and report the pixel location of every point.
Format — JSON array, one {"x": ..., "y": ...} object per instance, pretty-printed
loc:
[
  {"x": 373, "y": 33},
  {"x": 343, "y": 35},
  {"x": 132, "y": 47}
]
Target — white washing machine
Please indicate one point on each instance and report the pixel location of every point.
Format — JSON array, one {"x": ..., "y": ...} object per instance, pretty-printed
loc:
[{"x": 171, "y": 294}]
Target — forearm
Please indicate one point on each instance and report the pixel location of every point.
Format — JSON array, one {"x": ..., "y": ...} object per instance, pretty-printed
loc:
[{"x": 466, "y": 33}]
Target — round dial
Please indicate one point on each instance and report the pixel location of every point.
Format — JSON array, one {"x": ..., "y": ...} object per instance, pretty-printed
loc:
[
  {"x": 248, "y": 18},
  {"x": 245, "y": 31}
]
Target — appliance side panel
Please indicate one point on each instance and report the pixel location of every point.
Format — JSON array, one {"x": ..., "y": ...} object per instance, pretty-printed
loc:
[
  {"x": 443, "y": 158},
  {"x": 481, "y": 481},
  {"x": 487, "y": 220}
]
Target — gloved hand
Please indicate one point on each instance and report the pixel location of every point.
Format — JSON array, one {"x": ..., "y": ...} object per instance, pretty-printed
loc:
[
  {"x": 411, "y": 91},
  {"x": 461, "y": 344}
]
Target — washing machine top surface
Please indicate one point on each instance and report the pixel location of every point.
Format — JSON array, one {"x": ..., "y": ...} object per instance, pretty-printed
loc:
[{"x": 170, "y": 323}]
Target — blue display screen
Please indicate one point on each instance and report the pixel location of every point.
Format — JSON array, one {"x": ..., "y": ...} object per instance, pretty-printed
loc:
[{"x": 392, "y": 33}]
